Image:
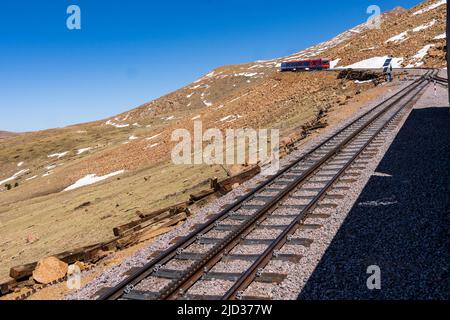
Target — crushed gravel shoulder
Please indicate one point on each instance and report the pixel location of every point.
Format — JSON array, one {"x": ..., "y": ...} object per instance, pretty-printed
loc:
[{"x": 400, "y": 222}]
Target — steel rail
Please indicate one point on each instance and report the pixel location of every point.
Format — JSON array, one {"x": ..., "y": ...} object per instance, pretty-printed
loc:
[
  {"x": 440, "y": 80},
  {"x": 194, "y": 273},
  {"x": 137, "y": 276},
  {"x": 251, "y": 273}
]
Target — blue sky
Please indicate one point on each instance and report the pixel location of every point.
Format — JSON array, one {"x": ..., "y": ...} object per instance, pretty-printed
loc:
[{"x": 130, "y": 52}]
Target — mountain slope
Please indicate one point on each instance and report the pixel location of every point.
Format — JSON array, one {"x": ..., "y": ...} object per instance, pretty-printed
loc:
[
  {"x": 6, "y": 134},
  {"x": 423, "y": 27},
  {"x": 248, "y": 95}
]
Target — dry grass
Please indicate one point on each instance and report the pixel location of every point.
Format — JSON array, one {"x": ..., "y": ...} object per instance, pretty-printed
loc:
[{"x": 58, "y": 225}]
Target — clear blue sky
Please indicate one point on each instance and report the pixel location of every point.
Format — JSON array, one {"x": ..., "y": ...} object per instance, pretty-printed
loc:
[{"x": 130, "y": 52}]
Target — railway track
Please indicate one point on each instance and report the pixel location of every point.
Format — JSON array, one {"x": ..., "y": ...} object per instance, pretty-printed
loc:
[
  {"x": 231, "y": 250},
  {"x": 440, "y": 80}
]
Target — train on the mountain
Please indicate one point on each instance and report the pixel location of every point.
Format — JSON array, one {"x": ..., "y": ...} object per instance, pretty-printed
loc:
[{"x": 302, "y": 65}]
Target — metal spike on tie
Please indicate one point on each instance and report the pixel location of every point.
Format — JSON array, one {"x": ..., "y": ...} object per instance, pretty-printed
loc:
[
  {"x": 259, "y": 272},
  {"x": 156, "y": 268}
]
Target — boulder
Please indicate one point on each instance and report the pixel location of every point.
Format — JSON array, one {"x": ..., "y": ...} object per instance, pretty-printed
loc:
[
  {"x": 285, "y": 142},
  {"x": 31, "y": 238},
  {"x": 49, "y": 269}
]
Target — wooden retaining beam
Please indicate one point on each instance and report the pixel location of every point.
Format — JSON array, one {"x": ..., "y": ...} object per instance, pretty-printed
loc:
[
  {"x": 201, "y": 195},
  {"x": 150, "y": 231},
  {"x": 148, "y": 226},
  {"x": 226, "y": 185},
  {"x": 154, "y": 216}
]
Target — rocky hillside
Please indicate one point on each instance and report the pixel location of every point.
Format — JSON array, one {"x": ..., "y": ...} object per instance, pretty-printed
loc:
[
  {"x": 415, "y": 38},
  {"x": 229, "y": 96},
  {"x": 6, "y": 134}
]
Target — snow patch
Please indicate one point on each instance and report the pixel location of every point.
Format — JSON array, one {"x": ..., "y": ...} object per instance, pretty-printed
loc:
[
  {"x": 423, "y": 52},
  {"x": 398, "y": 38},
  {"x": 117, "y": 125},
  {"x": 256, "y": 66},
  {"x": 153, "y": 137},
  {"x": 208, "y": 76},
  {"x": 20, "y": 164},
  {"x": 361, "y": 82},
  {"x": 91, "y": 179},
  {"x": 58, "y": 155},
  {"x": 417, "y": 58},
  {"x": 375, "y": 62},
  {"x": 430, "y": 7},
  {"x": 246, "y": 74},
  {"x": 133, "y": 138},
  {"x": 196, "y": 117},
  {"x": 152, "y": 146},
  {"x": 83, "y": 150},
  {"x": 334, "y": 63},
  {"x": 425, "y": 26},
  {"x": 230, "y": 118},
  {"x": 31, "y": 178},
  {"x": 14, "y": 176},
  {"x": 235, "y": 99},
  {"x": 441, "y": 36}
]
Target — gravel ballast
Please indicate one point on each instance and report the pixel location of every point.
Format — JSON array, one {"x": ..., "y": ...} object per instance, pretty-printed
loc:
[{"x": 399, "y": 222}]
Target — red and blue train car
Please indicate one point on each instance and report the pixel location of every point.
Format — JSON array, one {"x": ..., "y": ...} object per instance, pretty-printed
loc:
[{"x": 302, "y": 65}]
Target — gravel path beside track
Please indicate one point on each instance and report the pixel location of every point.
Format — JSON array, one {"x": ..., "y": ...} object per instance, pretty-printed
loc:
[{"x": 400, "y": 221}]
